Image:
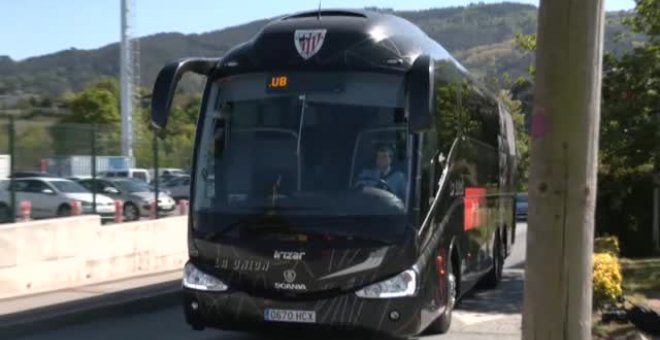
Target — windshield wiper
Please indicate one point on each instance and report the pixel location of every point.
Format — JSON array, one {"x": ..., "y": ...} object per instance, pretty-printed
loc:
[
  {"x": 303, "y": 98},
  {"x": 254, "y": 225}
]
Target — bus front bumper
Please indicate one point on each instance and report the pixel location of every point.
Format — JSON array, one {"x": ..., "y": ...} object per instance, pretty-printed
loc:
[{"x": 241, "y": 312}]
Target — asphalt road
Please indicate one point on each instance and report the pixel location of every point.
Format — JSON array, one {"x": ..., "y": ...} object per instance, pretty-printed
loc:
[{"x": 483, "y": 315}]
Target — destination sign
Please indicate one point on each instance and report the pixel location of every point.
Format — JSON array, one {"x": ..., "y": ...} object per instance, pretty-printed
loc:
[{"x": 304, "y": 83}]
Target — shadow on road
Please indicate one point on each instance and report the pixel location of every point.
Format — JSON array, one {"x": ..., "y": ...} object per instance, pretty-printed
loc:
[
  {"x": 519, "y": 265},
  {"x": 506, "y": 299},
  {"x": 300, "y": 335}
]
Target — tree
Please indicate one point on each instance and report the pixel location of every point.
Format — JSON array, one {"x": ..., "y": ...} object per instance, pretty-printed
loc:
[
  {"x": 630, "y": 147},
  {"x": 527, "y": 43},
  {"x": 176, "y": 142},
  {"x": 522, "y": 138},
  {"x": 94, "y": 113},
  {"x": 629, "y": 151},
  {"x": 32, "y": 144},
  {"x": 98, "y": 103},
  {"x": 646, "y": 20}
]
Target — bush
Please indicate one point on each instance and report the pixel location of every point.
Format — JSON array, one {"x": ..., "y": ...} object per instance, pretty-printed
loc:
[
  {"x": 607, "y": 244},
  {"x": 606, "y": 279},
  {"x": 624, "y": 208}
]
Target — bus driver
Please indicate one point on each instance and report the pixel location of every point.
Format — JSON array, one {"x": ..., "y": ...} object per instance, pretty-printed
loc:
[{"x": 386, "y": 178}]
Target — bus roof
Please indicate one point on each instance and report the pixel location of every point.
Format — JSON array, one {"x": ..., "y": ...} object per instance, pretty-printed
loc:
[{"x": 335, "y": 40}]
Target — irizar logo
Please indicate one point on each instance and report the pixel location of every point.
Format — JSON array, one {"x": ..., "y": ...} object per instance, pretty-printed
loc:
[{"x": 288, "y": 255}]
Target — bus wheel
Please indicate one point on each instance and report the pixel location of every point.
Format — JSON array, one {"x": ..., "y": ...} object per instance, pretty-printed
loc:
[
  {"x": 494, "y": 276},
  {"x": 442, "y": 323}
]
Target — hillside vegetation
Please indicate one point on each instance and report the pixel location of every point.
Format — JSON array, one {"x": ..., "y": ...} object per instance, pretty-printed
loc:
[{"x": 481, "y": 36}]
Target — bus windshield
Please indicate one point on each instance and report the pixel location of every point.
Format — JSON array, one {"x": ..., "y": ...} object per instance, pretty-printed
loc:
[{"x": 321, "y": 145}]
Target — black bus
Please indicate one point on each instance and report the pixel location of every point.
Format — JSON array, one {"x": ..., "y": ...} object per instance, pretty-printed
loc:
[{"x": 348, "y": 173}]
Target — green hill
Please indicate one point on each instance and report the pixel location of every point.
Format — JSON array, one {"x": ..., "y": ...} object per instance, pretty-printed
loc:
[{"x": 480, "y": 36}]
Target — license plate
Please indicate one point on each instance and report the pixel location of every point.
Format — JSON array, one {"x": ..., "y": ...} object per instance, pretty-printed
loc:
[{"x": 286, "y": 315}]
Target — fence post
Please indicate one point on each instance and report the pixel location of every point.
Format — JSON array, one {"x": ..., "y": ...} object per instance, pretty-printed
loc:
[
  {"x": 12, "y": 167},
  {"x": 156, "y": 175},
  {"x": 26, "y": 210},
  {"x": 76, "y": 208},
  {"x": 183, "y": 207},
  {"x": 94, "y": 166},
  {"x": 119, "y": 211},
  {"x": 153, "y": 210}
]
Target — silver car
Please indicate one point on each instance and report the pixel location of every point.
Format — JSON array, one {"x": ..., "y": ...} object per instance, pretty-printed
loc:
[
  {"x": 53, "y": 197},
  {"x": 136, "y": 195},
  {"x": 179, "y": 187}
]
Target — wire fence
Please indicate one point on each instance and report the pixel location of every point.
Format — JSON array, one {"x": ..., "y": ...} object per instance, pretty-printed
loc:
[{"x": 36, "y": 157}]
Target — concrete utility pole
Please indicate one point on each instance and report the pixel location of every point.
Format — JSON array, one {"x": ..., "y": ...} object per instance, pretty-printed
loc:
[
  {"x": 126, "y": 82},
  {"x": 564, "y": 154}
]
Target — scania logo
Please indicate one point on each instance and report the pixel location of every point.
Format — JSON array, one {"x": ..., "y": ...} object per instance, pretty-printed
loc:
[
  {"x": 289, "y": 275},
  {"x": 290, "y": 286}
]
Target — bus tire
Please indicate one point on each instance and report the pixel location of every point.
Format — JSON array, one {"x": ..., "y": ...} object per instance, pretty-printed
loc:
[
  {"x": 494, "y": 276},
  {"x": 443, "y": 322}
]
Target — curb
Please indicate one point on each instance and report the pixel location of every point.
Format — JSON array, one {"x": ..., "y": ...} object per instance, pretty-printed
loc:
[{"x": 132, "y": 301}]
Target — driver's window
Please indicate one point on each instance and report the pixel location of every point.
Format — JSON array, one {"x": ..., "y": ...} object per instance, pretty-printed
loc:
[
  {"x": 86, "y": 185},
  {"x": 20, "y": 186},
  {"x": 381, "y": 160},
  {"x": 36, "y": 187}
]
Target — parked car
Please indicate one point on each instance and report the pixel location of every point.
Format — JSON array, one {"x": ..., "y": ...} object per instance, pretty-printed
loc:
[
  {"x": 136, "y": 195},
  {"x": 521, "y": 206},
  {"x": 53, "y": 197},
  {"x": 179, "y": 187},
  {"x": 31, "y": 174},
  {"x": 135, "y": 173},
  {"x": 167, "y": 175}
]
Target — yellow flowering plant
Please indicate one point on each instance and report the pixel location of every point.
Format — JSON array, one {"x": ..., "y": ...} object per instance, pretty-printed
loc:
[{"x": 606, "y": 279}]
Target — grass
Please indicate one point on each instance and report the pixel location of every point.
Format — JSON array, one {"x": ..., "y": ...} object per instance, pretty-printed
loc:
[
  {"x": 612, "y": 330},
  {"x": 641, "y": 283},
  {"x": 641, "y": 277}
]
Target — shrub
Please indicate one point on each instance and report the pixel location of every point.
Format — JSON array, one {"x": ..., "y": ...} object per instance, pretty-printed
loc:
[
  {"x": 606, "y": 279},
  {"x": 607, "y": 244},
  {"x": 624, "y": 208}
]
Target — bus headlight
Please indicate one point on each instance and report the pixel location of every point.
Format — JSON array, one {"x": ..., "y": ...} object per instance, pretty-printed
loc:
[
  {"x": 404, "y": 284},
  {"x": 194, "y": 278}
]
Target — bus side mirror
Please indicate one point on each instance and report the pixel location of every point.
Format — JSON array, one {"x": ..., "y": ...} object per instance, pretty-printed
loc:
[
  {"x": 420, "y": 94},
  {"x": 166, "y": 83}
]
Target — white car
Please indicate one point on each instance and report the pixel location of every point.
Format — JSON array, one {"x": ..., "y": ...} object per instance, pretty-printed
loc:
[{"x": 53, "y": 197}]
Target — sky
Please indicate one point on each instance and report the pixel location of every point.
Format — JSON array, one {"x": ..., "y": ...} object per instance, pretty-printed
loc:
[{"x": 37, "y": 27}]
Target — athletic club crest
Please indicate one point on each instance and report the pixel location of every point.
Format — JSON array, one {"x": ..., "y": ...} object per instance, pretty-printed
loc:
[{"x": 308, "y": 42}]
